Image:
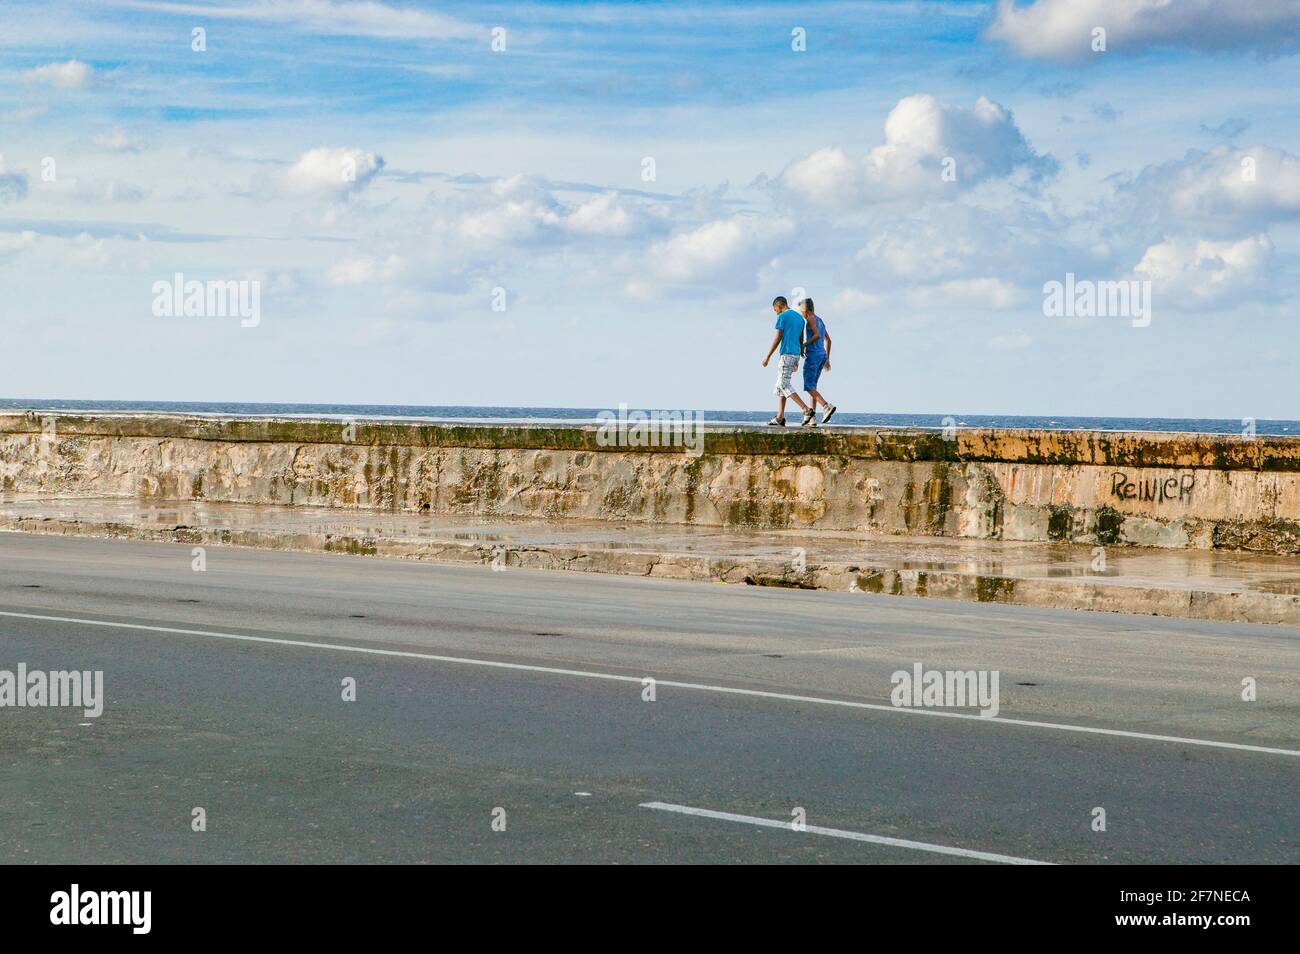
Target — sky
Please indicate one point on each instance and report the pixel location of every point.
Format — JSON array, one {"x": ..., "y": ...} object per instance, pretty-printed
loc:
[{"x": 586, "y": 204}]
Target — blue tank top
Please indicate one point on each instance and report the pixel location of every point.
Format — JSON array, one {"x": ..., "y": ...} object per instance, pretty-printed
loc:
[{"x": 818, "y": 350}]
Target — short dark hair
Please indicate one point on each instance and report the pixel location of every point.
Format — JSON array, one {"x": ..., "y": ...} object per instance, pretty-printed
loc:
[
  {"x": 780, "y": 300},
  {"x": 808, "y": 303}
]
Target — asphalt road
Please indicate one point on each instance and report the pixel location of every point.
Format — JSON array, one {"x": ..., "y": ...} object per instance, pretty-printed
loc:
[{"x": 232, "y": 702}]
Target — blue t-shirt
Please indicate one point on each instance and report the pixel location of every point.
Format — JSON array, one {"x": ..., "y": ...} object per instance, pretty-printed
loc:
[
  {"x": 790, "y": 324},
  {"x": 818, "y": 348}
]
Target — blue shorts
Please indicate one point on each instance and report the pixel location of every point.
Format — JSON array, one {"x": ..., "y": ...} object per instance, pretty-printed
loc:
[{"x": 812, "y": 370}]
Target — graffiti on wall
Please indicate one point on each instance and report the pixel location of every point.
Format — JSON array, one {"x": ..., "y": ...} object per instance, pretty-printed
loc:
[{"x": 1176, "y": 487}]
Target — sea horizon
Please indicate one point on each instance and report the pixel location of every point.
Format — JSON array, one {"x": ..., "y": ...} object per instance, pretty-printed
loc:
[{"x": 578, "y": 415}]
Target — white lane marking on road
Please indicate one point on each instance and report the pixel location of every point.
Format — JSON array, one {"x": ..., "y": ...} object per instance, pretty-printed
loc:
[
  {"x": 841, "y": 833},
  {"x": 699, "y": 687}
]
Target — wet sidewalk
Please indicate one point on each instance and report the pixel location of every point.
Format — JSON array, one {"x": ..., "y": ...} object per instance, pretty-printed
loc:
[{"x": 1217, "y": 585}]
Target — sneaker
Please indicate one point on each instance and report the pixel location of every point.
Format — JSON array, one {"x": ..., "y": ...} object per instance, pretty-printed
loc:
[
  {"x": 777, "y": 422},
  {"x": 809, "y": 417},
  {"x": 828, "y": 414}
]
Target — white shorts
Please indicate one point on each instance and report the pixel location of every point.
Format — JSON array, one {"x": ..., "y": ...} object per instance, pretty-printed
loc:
[{"x": 786, "y": 366}]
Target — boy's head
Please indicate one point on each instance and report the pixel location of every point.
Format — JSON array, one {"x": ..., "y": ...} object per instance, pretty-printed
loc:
[
  {"x": 779, "y": 304},
  {"x": 807, "y": 305}
]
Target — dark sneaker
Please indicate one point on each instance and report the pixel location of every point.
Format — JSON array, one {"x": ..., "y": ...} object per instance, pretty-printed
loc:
[
  {"x": 828, "y": 414},
  {"x": 809, "y": 417},
  {"x": 777, "y": 422}
]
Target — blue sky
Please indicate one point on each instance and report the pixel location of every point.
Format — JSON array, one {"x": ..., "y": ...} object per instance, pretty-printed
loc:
[{"x": 129, "y": 156}]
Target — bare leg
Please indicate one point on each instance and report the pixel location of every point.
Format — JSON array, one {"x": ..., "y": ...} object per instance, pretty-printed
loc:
[{"x": 816, "y": 397}]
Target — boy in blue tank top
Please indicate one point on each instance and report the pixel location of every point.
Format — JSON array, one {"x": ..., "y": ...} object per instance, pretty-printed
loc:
[{"x": 817, "y": 358}]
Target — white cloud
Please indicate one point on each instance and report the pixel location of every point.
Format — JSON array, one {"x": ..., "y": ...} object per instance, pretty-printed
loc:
[
  {"x": 82, "y": 190},
  {"x": 118, "y": 140},
  {"x": 986, "y": 293},
  {"x": 924, "y": 140},
  {"x": 957, "y": 240},
  {"x": 520, "y": 210},
  {"x": 854, "y": 301},
  {"x": 722, "y": 253},
  {"x": 369, "y": 18},
  {"x": 365, "y": 271},
  {"x": 1225, "y": 190},
  {"x": 921, "y": 250},
  {"x": 516, "y": 210},
  {"x": 333, "y": 172},
  {"x": 1062, "y": 29},
  {"x": 1185, "y": 271},
  {"x": 70, "y": 74},
  {"x": 609, "y": 215},
  {"x": 826, "y": 176},
  {"x": 12, "y": 244}
]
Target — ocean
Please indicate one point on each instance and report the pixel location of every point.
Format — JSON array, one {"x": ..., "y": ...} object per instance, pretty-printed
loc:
[{"x": 586, "y": 414}]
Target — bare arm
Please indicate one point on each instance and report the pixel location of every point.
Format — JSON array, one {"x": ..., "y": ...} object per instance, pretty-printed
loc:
[{"x": 775, "y": 343}]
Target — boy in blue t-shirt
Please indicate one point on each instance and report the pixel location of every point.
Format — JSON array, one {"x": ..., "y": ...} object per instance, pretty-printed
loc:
[{"x": 789, "y": 338}]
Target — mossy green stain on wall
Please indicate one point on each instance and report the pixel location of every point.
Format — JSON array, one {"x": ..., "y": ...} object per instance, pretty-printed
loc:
[
  {"x": 939, "y": 500},
  {"x": 1060, "y": 523},
  {"x": 994, "y": 589},
  {"x": 1108, "y": 525}
]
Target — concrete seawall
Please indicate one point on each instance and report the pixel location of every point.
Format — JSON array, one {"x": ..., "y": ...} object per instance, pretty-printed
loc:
[{"x": 1164, "y": 490}]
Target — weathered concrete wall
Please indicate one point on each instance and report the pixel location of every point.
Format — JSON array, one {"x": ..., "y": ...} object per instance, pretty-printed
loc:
[{"x": 1170, "y": 490}]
